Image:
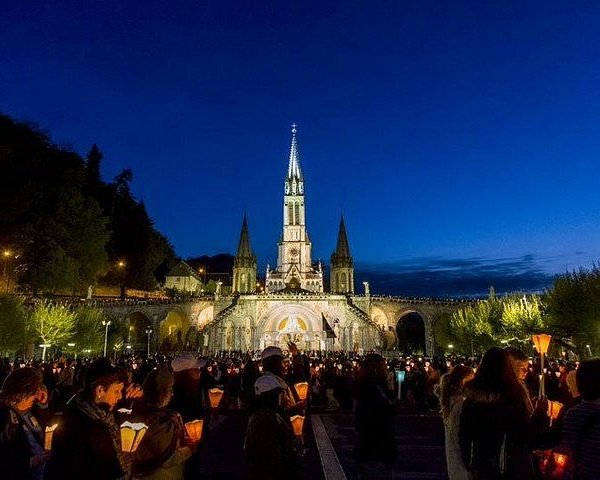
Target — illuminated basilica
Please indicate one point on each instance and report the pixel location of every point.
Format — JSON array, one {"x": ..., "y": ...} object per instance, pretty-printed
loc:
[{"x": 294, "y": 305}]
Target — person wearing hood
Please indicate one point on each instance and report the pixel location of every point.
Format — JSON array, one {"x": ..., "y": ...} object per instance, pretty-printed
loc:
[
  {"x": 163, "y": 451},
  {"x": 269, "y": 443},
  {"x": 495, "y": 423}
]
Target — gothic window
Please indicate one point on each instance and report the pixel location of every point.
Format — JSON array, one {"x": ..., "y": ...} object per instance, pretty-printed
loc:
[
  {"x": 297, "y": 215},
  {"x": 343, "y": 285},
  {"x": 337, "y": 281},
  {"x": 290, "y": 214}
]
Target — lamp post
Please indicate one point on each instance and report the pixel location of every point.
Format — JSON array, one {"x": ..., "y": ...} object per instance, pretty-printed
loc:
[
  {"x": 542, "y": 342},
  {"x": 149, "y": 333},
  {"x": 106, "y": 324},
  {"x": 6, "y": 255},
  {"x": 121, "y": 266}
]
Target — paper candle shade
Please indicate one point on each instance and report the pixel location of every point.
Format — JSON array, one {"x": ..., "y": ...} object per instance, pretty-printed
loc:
[
  {"x": 301, "y": 390},
  {"x": 48, "y": 436},
  {"x": 541, "y": 342},
  {"x": 214, "y": 397},
  {"x": 554, "y": 409},
  {"x": 400, "y": 376},
  {"x": 194, "y": 429},
  {"x": 131, "y": 435},
  {"x": 297, "y": 424}
]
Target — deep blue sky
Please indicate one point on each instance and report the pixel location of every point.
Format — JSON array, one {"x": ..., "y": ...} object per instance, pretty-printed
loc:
[{"x": 456, "y": 136}]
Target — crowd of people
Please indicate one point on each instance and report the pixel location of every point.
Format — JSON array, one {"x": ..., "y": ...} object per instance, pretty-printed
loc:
[{"x": 497, "y": 423}]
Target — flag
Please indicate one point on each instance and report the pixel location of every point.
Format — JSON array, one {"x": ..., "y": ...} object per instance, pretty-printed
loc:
[{"x": 327, "y": 328}]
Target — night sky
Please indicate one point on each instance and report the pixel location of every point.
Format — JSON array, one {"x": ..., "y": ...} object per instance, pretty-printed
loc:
[{"x": 460, "y": 139}]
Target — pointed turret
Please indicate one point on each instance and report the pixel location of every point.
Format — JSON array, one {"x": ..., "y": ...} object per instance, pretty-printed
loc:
[
  {"x": 294, "y": 182},
  {"x": 294, "y": 163},
  {"x": 342, "y": 264},
  {"x": 244, "y": 263},
  {"x": 244, "y": 245},
  {"x": 342, "y": 250}
]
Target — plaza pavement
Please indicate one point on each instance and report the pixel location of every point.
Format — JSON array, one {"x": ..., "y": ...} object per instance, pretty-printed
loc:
[{"x": 329, "y": 439}]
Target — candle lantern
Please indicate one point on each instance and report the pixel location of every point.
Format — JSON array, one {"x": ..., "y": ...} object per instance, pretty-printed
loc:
[
  {"x": 214, "y": 397},
  {"x": 194, "y": 429},
  {"x": 400, "y": 376},
  {"x": 48, "y": 436},
  {"x": 297, "y": 424},
  {"x": 553, "y": 410},
  {"x": 542, "y": 342},
  {"x": 301, "y": 389},
  {"x": 131, "y": 435}
]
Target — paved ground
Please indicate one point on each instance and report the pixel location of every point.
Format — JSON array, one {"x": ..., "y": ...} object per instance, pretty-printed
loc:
[
  {"x": 328, "y": 456},
  {"x": 419, "y": 439}
]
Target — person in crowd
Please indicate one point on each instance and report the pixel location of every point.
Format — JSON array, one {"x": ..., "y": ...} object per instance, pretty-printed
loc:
[
  {"x": 375, "y": 447},
  {"x": 520, "y": 364},
  {"x": 272, "y": 363},
  {"x": 581, "y": 425},
  {"x": 451, "y": 395},
  {"x": 87, "y": 444},
  {"x": 575, "y": 397},
  {"x": 249, "y": 376},
  {"x": 329, "y": 377},
  {"x": 269, "y": 443},
  {"x": 187, "y": 397},
  {"x": 164, "y": 450},
  {"x": 495, "y": 423},
  {"x": 21, "y": 434}
]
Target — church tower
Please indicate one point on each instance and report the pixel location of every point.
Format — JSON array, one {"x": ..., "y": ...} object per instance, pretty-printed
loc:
[
  {"x": 294, "y": 256},
  {"x": 342, "y": 265},
  {"x": 244, "y": 264}
]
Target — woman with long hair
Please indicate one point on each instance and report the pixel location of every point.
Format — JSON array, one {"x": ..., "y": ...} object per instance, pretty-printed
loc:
[
  {"x": 451, "y": 395},
  {"x": 495, "y": 422}
]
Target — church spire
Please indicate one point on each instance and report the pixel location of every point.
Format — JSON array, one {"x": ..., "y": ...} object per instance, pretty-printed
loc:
[
  {"x": 294, "y": 163},
  {"x": 342, "y": 250},
  {"x": 342, "y": 264},
  {"x": 244, "y": 263},
  {"x": 244, "y": 250}
]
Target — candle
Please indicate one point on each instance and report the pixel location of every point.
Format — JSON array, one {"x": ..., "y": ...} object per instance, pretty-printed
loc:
[{"x": 48, "y": 436}]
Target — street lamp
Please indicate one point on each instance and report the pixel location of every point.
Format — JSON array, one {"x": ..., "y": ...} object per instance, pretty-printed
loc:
[
  {"x": 149, "y": 333},
  {"x": 121, "y": 266},
  {"x": 6, "y": 255},
  {"x": 106, "y": 324}
]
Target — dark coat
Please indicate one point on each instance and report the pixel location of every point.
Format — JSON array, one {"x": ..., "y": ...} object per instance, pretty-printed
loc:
[
  {"x": 489, "y": 421},
  {"x": 15, "y": 451},
  {"x": 82, "y": 448},
  {"x": 269, "y": 448},
  {"x": 161, "y": 453},
  {"x": 374, "y": 422}
]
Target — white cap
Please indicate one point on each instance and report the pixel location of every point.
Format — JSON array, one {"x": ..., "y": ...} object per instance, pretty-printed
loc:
[
  {"x": 266, "y": 383},
  {"x": 271, "y": 352},
  {"x": 187, "y": 361}
]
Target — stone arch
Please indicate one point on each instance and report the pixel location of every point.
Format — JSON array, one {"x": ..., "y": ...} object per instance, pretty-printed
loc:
[
  {"x": 173, "y": 329},
  {"x": 137, "y": 324},
  {"x": 284, "y": 322},
  {"x": 412, "y": 330},
  {"x": 379, "y": 317},
  {"x": 205, "y": 316}
]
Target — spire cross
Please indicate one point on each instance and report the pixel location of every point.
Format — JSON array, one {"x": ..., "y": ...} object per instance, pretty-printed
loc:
[{"x": 294, "y": 127}]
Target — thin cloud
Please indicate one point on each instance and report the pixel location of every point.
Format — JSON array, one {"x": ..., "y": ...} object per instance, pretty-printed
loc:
[{"x": 456, "y": 277}]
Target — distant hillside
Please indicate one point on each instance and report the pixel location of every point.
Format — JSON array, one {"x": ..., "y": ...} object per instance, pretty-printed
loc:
[{"x": 65, "y": 227}]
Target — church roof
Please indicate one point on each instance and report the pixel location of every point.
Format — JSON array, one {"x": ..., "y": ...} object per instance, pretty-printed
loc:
[
  {"x": 294, "y": 163},
  {"x": 182, "y": 269},
  {"x": 342, "y": 249},
  {"x": 244, "y": 250}
]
